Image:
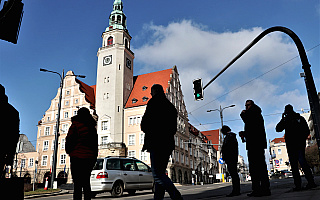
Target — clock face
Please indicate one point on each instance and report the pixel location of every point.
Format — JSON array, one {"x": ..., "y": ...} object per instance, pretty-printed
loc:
[
  {"x": 128, "y": 63},
  {"x": 107, "y": 60}
]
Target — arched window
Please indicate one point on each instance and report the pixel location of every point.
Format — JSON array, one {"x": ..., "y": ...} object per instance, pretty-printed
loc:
[
  {"x": 119, "y": 19},
  {"x": 110, "y": 41},
  {"x": 126, "y": 44}
]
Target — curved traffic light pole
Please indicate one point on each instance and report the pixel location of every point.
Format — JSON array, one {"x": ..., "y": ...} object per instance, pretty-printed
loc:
[{"x": 310, "y": 86}]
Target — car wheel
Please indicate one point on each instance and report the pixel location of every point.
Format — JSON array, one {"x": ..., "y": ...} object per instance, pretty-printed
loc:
[
  {"x": 131, "y": 192},
  {"x": 117, "y": 190},
  {"x": 154, "y": 188},
  {"x": 93, "y": 194}
]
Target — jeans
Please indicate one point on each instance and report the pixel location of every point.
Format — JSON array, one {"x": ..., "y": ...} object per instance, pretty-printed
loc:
[
  {"x": 81, "y": 171},
  {"x": 298, "y": 155},
  {"x": 159, "y": 162}
]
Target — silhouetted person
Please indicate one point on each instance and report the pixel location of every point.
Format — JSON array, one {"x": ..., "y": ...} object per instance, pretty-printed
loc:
[
  {"x": 159, "y": 123},
  {"x": 82, "y": 147},
  {"x": 9, "y": 132},
  {"x": 296, "y": 133},
  {"x": 256, "y": 143},
  {"x": 230, "y": 153}
]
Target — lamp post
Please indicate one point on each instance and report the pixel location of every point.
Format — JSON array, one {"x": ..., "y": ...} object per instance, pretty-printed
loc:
[
  {"x": 220, "y": 111},
  {"x": 57, "y": 134},
  {"x": 220, "y": 137},
  {"x": 310, "y": 86}
]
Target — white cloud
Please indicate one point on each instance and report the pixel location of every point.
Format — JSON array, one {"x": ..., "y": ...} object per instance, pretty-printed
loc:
[{"x": 202, "y": 53}]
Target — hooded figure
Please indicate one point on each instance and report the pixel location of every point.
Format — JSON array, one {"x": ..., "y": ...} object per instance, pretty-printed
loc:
[
  {"x": 255, "y": 136},
  {"x": 159, "y": 123},
  {"x": 296, "y": 133},
  {"x": 82, "y": 147},
  {"x": 255, "y": 133}
]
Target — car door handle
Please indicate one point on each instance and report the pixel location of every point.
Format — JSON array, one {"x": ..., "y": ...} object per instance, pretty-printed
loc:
[
  {"x": 140, "y": 174},
  {"x": 125, "y": 174}
]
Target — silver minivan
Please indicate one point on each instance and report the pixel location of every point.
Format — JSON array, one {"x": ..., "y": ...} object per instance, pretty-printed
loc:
[{"x": 119, "y": 174}]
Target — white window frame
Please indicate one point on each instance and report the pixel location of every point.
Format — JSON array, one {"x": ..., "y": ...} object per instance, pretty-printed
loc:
[
  {"x": 104, "y": 140},
  {"x": 142, "y": 138},
  {"x": 23, "y": 163},
  {"x": 63, "y": 143},
  {"x": 63, "y": 159},
  {"x": 30, "y": 162},
  {"x": 44, "y": 160},
  {"x": 132, "y": 153},
  {"x": 131, "y": 139},
  {"x": 65, "y": 128},
  {"x": 105, "y": 125},
  {"x": 143, "y": 156},
  {"x": 46, "y": 145},
  {"x": 47, "y": 130}
]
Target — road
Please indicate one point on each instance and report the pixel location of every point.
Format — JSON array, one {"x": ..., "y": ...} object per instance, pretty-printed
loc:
[{"x": 280, "y": 189}]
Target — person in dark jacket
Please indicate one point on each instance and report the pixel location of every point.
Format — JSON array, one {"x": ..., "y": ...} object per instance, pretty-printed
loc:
[
  {"x": 230, "y": 156},
  {"x": 82, "y": 147},
  {"x": 255, "y": 136},
  {"x": 296, "y": 133},
  {"x": 9, "y": 132},
  {"x": 159, "y": 123}
]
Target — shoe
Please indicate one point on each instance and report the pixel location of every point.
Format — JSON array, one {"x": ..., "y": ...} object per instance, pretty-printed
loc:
[
  {"x": 232, "y": 194},
  {"x": 310, "y": 185},
  {"x": 254, "y": 194},
  {"x": 259, "y": 194},
  {"x": 296, "y": 189},
  {"x": 265, "y": 193}
]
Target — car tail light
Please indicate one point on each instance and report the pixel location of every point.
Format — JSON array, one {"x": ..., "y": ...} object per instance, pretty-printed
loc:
[{"x": 102, "y": 175}]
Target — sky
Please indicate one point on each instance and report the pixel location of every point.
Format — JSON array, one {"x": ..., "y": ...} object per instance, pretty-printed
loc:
[{"x": 199, "y": 37}]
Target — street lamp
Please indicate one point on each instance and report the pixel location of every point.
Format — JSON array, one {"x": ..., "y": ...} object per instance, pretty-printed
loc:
[
  {"x": 54, "y": 163},
  {"x": 220, "y": 136},
  {"x": 220, "y": 111}
]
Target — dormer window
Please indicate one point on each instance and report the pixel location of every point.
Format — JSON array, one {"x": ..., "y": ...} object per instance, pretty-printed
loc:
[
  {"x": 144, "y": 88},
  {"x": 110, "y": 41},
  {"x": 134, "y": 100},
  {"x": 144, "y": 99}
]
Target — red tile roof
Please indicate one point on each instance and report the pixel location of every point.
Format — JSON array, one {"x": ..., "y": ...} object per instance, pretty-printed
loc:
[
  {"x": 278, "y": 140},
  {"x": 212, "y": 135},
  {"x": 142, "y": 86},
  {"x": 89, "y": 91}
]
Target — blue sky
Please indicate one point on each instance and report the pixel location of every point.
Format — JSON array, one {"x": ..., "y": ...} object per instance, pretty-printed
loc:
[{"x": 200, "y": 37}]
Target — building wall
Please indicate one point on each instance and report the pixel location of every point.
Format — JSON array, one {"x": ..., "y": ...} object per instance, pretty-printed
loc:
[
  {"x": 279, "y": 154},
  {"x": 72, "y": 99}
]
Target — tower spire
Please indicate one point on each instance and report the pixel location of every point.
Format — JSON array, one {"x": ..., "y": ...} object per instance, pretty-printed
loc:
[{"x": 117, "y": 19}]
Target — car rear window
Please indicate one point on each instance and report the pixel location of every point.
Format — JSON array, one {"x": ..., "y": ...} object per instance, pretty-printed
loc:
[
  {"x": 113, "y": 164},
  {"x": 99, "y": 164}
]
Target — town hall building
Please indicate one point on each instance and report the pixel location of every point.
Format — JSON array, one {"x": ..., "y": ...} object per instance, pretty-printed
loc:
[{"x": 118, "y": 102}]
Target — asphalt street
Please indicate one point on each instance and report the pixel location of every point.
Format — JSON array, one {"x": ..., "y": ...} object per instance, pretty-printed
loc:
[{"x": 280, "y": 189}]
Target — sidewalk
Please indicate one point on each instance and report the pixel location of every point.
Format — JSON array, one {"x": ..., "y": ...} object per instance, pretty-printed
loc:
[
  {"x": 281, "y": 191},
  {"x": 46, "y": 194}
]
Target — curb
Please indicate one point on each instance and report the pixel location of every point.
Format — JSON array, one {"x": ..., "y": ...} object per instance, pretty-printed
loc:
[{"x": 46, "y": 194}]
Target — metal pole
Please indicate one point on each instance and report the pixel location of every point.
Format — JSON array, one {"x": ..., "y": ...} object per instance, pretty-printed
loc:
[
  {"x": 56, "y": 138},
  {"x": 310, "y": 86}
]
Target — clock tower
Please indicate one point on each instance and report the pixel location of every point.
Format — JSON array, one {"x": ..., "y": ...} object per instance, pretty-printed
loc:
[{"x": 114, "y": 78}]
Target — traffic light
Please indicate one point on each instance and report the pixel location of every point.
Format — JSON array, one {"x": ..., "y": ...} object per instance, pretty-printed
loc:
[
  {"x": 197, "y": 89},
  {"x": 10, "y": 20}
]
